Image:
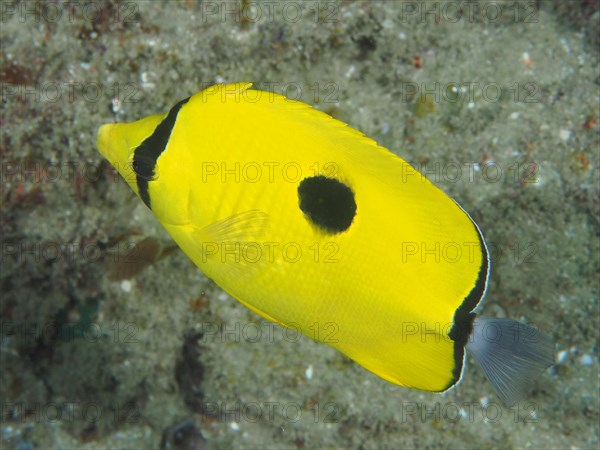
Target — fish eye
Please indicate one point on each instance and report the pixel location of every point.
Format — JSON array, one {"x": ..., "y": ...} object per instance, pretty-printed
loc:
[{"x": 144, "y": 167}]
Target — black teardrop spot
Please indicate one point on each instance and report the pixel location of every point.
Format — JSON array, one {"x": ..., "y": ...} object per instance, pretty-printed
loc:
[{"x": 327, "y": 202}]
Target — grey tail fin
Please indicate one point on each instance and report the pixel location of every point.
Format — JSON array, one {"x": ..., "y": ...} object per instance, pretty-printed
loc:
[{"x": 511, "y": 354}]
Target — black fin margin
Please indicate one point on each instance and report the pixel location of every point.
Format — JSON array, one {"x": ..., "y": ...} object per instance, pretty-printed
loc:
[{"x": 464, "y": 316}]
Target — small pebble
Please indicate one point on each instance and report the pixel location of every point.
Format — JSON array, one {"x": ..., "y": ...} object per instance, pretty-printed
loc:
[
  {"x": 565, "y": 135},
  {"x": 561, "y": 357},
  {"x": 309, "y": 372},
  {"x": 126, "y": 285}
]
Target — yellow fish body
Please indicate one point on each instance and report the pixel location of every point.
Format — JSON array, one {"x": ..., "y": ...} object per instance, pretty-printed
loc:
[{"x": 314, "y": 226}]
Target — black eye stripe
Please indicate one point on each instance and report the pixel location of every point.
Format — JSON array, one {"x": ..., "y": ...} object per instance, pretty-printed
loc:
[{"x": 147, "y": 153}]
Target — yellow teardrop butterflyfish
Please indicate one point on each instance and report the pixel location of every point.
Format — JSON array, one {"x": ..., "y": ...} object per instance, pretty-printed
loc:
[{"x": 311, "y": 224}]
